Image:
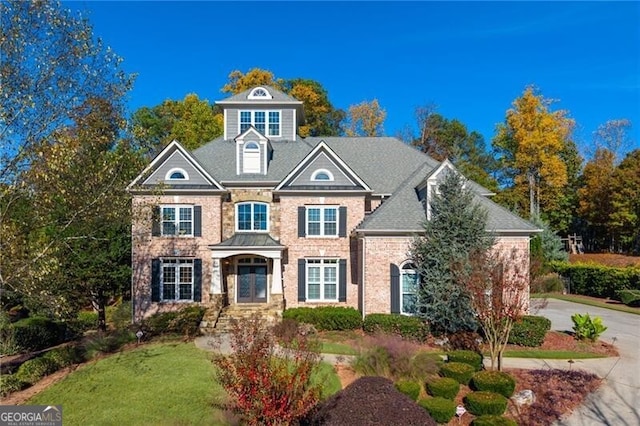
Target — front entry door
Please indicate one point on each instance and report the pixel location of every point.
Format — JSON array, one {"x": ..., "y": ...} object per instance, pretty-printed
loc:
[{"x": 252, "y": 284}]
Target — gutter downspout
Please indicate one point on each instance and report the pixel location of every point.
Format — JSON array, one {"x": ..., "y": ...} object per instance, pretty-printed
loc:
[{"x": 364, "y": 251}]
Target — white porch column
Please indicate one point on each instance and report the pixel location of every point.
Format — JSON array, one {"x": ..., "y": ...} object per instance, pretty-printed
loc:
[
  {"x": 276, "y": 285},
  {"x": 216, "y": 278}
]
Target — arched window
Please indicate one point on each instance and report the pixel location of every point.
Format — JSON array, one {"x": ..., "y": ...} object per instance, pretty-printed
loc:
[
  {"x": 322, "y": 175},
  {"x": 259, "y": 93},
  {"x": 176, "y": 174},
  {"x": 251, "y": 158},
  {"x": 409, "y": 283}
]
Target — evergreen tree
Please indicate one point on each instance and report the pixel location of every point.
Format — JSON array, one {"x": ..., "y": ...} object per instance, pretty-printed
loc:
[{"x": 456, "y": 232}]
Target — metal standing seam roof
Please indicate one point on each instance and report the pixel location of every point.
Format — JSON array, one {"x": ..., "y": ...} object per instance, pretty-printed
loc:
[{"x": 249, "y": 239}]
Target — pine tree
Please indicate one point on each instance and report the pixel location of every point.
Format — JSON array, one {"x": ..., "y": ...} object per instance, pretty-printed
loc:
[{"x": 457, "y": 230}]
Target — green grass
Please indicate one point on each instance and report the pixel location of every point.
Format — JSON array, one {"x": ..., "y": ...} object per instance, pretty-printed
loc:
[
  {"x": 547, "y": 354},
  {"x": 338, "y": 349},
  {"x": 159, "y": 384},
  {"x": 600, "y": 303}
]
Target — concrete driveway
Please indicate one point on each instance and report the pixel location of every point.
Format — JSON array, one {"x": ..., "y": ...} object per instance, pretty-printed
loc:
[{"x": 617, "y": 402}]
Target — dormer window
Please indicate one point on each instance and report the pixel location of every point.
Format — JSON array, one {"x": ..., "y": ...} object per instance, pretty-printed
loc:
[
  {"x": 322, "y": 175},
  {"x": 259, "y": 93},
  {"x": 266, "y": 122},
  {"x": 176, "y": 174},
  {"x": 251, "y": 158}
]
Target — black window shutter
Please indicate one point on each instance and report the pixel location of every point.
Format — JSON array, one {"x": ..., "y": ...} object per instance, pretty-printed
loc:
[
  {"x": 342, "y": 226},
  {"x": 197, "y": 221},
  {"x": 197, "y": 280},
  {"x": 342, "y": 280},
  {"x": 302, "y": 231},
  {"x": 395, "y": 289},
  {"x": 156, "y": 221},
  {"x": 302, "y": 280},
  {"x": 155, "y": 280}
]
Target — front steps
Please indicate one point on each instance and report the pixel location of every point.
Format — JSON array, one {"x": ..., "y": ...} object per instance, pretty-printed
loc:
[{"x": 218, "y": 320}]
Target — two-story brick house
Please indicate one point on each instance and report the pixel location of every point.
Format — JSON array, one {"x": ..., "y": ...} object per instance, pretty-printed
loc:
[{"x": 261, "y": 218}]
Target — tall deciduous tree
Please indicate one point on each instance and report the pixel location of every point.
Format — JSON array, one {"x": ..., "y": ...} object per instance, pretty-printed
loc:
[
  {"x": 531, "y": 143},
  {"x": 456, "y": 230},
  {"x": 614, "y": 136},
  {"x": 365, "y": 119},
  {"x": 239, "y": 81},
  {"x": 625, "y": 200},
  {"x": 192, "y": 122}
]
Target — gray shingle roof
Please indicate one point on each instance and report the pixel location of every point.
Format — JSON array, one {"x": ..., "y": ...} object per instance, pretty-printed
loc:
[{"x": 277, "y": 96}]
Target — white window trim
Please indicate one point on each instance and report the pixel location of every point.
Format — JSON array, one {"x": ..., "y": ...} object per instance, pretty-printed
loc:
[
  {"x": 177, "y": 220},
  {"x": 237, "y": 218},
  {"x": 403, "y": 271},
  {"x": 266, "y": 117},
  {"x": 322, "y": 223},
  {"x": 314, "y": 176},
  {"x": 177, "y": 263},
  {"x": 252, "y": 94},
  {"x": 325, "y": 263},
  {"x": 176, "y": 169}
]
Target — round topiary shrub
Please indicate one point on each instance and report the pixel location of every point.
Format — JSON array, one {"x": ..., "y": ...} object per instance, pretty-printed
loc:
[
  {"x": 441, "y": 409},
  {"x": 409, "y": 388},
  {"x": 459, "y": 371},
  {"x": 35, "y": 369},
  {"x": 494, "y": 381},
  {"x": 493, "y": 421},
  {"x": 472, "y": 358},
  {"x": 444, "y": 387},
  {"x": 485, "y": 402}
]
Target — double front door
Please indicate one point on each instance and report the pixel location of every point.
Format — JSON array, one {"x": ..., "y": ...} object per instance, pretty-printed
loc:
[{"x": 252, "y": 283}]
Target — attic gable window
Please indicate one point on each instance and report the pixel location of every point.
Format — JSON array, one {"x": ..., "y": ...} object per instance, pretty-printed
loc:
[
  {"x": 259, "y": 93},
  {"x": 176, "y": 174},
  {"x": 266, "y": 122},
  {"x": 322, "y": 175}
]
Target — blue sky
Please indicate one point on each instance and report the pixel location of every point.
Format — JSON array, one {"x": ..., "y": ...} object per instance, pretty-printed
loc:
[{"x": 470, "y": 59}]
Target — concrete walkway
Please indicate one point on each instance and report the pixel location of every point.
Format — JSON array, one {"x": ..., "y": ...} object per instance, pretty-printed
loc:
[{"x": 617, "y": 401}]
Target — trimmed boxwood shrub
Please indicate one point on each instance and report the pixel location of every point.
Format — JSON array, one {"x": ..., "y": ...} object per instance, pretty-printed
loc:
[
  {"x": 409, "y": 388},
  {"x": 326, "y": 317},
  {"x": 408, "y": 327},
  {"x": 493, "y": 421},
  {"x": 35, "y": 369},
  {"x": 629, "y": 297},
  {"x": 10, "y": 383},
  {"x": 444, "y": 387},
  {"x": 186, "y": 321},
  {"x": 494, "y": 381},
  {"x": 35, "y": 333},
  {"x": 529, "y": 331},
  {"x": 485, "y": 402},
  {"x": 598, "y": 280},
  {"x": 472, "y": 358},
  {"x": 441, "y": 409},
  {"x": 459, "y": 371}
]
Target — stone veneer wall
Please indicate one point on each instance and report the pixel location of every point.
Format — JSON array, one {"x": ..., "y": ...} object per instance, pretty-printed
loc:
[
  {"x": 319, "y": 247},
  {"x": 147, "y": 247},
  {"x": 240, "y": 195}
]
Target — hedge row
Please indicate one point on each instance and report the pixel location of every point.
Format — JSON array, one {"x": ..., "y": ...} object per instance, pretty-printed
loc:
[
  {"x": 629, "y": 297},
  {"x": 36, "y": 333},
  {"x": 326, "y": 317},
  {"x": 598, "y": 280},
  {"x": 408, "y": 327}
]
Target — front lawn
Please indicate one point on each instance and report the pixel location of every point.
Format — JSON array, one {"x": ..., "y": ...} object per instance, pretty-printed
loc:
[{"x": 159, "y": 384}]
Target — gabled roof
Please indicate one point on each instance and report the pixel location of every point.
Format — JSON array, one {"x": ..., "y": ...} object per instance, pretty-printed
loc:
[
  {"x": 323, "y": 149},
  {"x": 171, "y": 150},
  {"x": 277, "y": 97},
  {"x": 251, "y": 131}
]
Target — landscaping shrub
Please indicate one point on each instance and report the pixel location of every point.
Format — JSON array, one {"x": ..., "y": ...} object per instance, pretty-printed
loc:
[
  {"x": 489, "y": 420},
  {"x": 35, "y": 369},
  {"x": 390, "y": 356},
  {"x": 119, "y": 316},
  {"x": 186, "y": 321},
  {"x": 8, "y": 344},
  {"x": 65, "y": 356},
  {"x": 444, "y": 387},
  {"x": 629, "y": 297},
  {"x": 10, "y": 383},
  {"x": 548, "y": 283},
  {"x": 466, "y": 341},
  {"x": 494, "y": 381},
  {"x": 474, "y": 359},
  {"x": 441, "y": 409},
  {"x": 409, "y": 388},
  {"x": 86, "y": 320},
  {"x": 587, "y": 328},
  {"x": 425, "y": 364},
  {"x": 485, "y": 402},
  {"x": 598, "y": 280},
  {"x": 265, "y": 388},
  {"x": 104, "y": 343},
  {"x": 529, "y": 331},
  {"x": 459, "y": 371},
  {"x": 408, "y": 327},
  {"x": 35, "y": 333},
  {"x": 326, "y": 317}
]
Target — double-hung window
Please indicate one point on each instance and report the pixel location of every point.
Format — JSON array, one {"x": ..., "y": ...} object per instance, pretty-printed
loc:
[
  {"x": 177, "y": 279},
  {"x": 177, "y": 220},
  {"x": 264, "y": 121},
  {"x": 409, "y": 282},
  {"x": 322, "y": 279},
  {"x": 252, "y": 216},
  {"x": 322, "y": 221}
]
